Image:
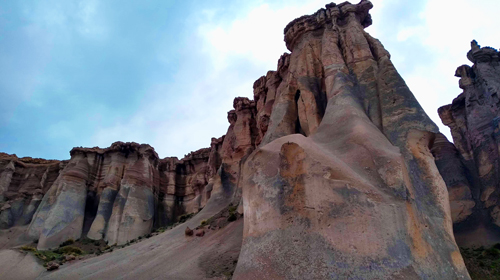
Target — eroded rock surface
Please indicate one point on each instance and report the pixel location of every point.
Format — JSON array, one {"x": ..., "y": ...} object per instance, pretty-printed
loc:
[
  {"x": 343, "y": 183},
  {"x": 117, "y": 193},
  {"x": 23, "y": 182},
  {"x": 473, "y": 118},
  {"x": 332, "y": 162}
]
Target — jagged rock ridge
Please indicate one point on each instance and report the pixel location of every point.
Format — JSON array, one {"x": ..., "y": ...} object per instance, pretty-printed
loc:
[
  {"x": 473, "y": 173},
  {"x": 23, "y": 182},
  {"x": 117, "y": 193}
]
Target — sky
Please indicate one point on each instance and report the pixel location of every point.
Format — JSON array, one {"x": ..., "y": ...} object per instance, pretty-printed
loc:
[{"x": 89, "y": 73}]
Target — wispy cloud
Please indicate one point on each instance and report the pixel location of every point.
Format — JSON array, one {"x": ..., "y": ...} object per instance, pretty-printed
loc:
[{"x": 88, "y": 73}]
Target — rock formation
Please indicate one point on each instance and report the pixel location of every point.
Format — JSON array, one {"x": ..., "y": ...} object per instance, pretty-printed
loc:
[
  {"x": 343, "y": 183},
  {"x": 23, "y": 182},
  {"x": 116, "y": 194},
  {"x": 331, "y": 163},
  {"x": 473, "y": 174}
]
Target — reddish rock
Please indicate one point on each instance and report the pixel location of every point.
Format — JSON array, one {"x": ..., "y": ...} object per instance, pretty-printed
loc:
[
  {"x": 332, "y": 161},
  {"x": 188, "y": 231},
  {"x": 455, "y": 176},
  {"x": 52, "y": 266},
  {"x": 200, "y": 232},
  {"x": 343, "y": 181},
  {"x": 69, "y": 258},
  {"x": 23, "y": 182},
  {"x": 473, "y": 118},
  {"x": 119, "y": 193}
]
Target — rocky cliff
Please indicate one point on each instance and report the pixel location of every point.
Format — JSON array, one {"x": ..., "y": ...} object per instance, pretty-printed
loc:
[
  {"x": 330, "y": 164},
  {"x": 23, "y": 182},
  {"x": 116, "y": 194},
  {"x": 472, "y": 169}
]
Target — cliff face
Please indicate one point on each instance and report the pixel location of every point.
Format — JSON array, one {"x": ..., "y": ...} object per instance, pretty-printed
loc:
[
  {"x": 331, "y": 163},
  {"x": 116, "y": 194},
  {"x": 23, "y": 182},
  {"x": 473, "y": 118}
]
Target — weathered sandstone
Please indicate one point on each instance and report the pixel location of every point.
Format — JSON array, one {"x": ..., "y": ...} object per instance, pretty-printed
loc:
[
  {"x": 343, "y": 183},
  {"x": 473, "y": 118},
  {"x": 334, "y": 165},
  {"x": 23, "y": 182},
  {"x": 116, "y": 194}
]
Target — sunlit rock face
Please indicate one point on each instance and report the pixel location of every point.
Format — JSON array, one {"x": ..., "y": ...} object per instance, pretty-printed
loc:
[
  {"x": 473, "y": 118},
  {"x": 343, "y": 183}
]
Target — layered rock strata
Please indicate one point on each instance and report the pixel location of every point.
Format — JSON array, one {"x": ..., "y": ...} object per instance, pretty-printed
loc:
[
  {"x": 473, "y": 118},
  {"x": 116, "y": 194},
  {"x": 332, "y": 162},
  {"x": 23, "y": 182}
]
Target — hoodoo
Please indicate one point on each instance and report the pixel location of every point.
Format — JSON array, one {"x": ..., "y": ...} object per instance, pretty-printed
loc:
[
  {"x": 472, "y": 170},
  {"x": 343, "y": 183}
]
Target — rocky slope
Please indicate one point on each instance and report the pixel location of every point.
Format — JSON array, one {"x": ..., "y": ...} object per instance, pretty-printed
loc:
[
  {"x": 331, "y": 165},
  {"x": 472, "y": 169}
]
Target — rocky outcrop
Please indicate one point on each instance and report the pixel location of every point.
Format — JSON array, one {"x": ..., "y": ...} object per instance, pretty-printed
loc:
[
  {"x": 107, "y": 193},
  {"x": 23, "y": 182},
  {"x": 117, "y": 193},
  {"x": 343, "y": 183},
  {"x": 182, "y": 183},
  {"x": 332, "y": 162},
  {"x": 473, "y": 118},
  {"x": 455, "y": 175}
]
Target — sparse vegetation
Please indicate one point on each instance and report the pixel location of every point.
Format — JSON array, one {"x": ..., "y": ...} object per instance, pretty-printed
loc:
[
  {"x": 70, "y": 250},
  {"x": 233, "y": 215},
  {"x": 67, "y": 242},
  {"x": 482, "y": 263},
  {"x": 28, "y": 248},
  {"x": 232, "y": 209},
  {"x": 185, "y": 217}
]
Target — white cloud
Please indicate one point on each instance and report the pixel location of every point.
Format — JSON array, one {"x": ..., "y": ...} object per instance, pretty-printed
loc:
[
  {"x": 445, "y": 31},
  {"x": 258, "y": 34},
  {"x": 183, "y": 115}
]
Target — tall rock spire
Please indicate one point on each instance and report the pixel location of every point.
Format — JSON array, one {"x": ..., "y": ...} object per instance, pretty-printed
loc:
[
  {"x": 343, "y": 183},
  {"x": 474, "y": 118}
]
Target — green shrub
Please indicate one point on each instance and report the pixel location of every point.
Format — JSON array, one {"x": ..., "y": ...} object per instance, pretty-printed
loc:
[
  {"x": 204, "y": 222},
  {"x": 232, "y": 209},
  {"x": 492, "y": 252},
  {"x": 71, "y": 250},
  {"x": 28, "y": 248},
  {"x": 67, "y": 242},
  {"x": 185, "y": 217}
]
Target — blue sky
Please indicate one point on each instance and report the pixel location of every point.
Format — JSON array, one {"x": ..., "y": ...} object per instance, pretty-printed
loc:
[{"x": 88, "y": 73}]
